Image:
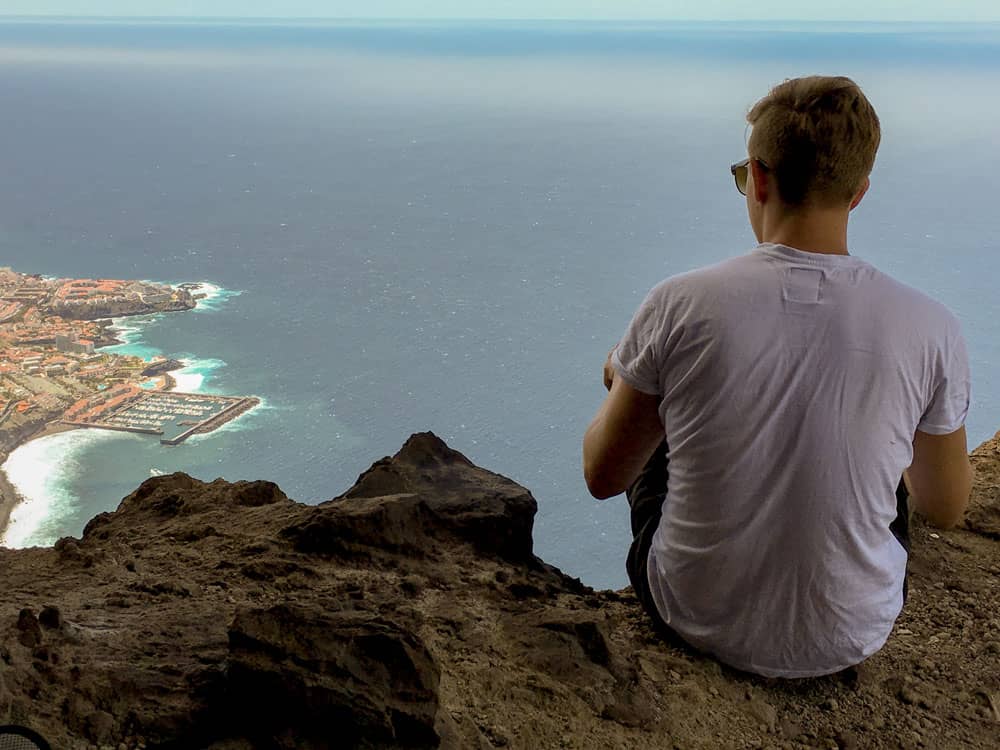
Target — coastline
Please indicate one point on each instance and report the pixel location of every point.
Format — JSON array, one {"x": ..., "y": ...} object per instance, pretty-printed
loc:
[
  {"x": 10, "y": 498},
  {"x": 51, "y": 424}
]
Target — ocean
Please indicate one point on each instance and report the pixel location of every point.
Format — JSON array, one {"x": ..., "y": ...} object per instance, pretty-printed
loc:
[{"x": 444, "y": 226}]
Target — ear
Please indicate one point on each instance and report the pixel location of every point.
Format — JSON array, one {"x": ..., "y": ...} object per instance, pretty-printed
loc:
[
  {"x": 758, "y": 176},
  {"x": 861, "y": 193}
]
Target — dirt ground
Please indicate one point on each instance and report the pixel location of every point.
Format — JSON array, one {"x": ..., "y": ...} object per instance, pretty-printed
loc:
[{"x": 412, "y": 612}]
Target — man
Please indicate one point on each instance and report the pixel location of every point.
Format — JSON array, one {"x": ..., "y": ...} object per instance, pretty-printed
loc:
[{"x": 793, "y": 386}]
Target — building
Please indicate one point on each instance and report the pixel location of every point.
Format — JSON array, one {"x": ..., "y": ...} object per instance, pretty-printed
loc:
[{"x": 72, "y": 345}]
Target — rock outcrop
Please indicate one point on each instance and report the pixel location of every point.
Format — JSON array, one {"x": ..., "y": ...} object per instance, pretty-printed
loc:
[
  {"x": 412, "y": 612},
  {"x": 161, "y": 367},
  {"x": 118, "y": 307}
]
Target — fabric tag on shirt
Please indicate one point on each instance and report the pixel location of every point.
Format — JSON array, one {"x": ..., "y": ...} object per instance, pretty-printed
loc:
[{"x": 803, "y": 284}]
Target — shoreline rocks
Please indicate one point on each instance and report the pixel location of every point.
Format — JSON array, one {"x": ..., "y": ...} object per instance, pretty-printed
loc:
[{"x": 162, "y": 367}]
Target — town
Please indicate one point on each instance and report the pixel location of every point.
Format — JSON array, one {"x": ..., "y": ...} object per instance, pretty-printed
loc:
[{"x": 53, "y": 372}]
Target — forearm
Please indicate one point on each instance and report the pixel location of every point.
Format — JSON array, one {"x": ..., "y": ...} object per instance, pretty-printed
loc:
[
  {"x": 620, "y": 439},
  {"x": 940, "y": 494}
]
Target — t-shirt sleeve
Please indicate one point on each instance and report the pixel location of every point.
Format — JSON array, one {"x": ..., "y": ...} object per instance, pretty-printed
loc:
[
  {"x": 949, "y": 404},
  {"x": 635, "y": 358}
]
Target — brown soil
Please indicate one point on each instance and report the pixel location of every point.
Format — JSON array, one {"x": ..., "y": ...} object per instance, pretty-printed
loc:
[{"x": 411, "y": 612}]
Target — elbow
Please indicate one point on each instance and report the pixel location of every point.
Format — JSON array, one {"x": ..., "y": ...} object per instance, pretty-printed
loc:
[
  {"x": 602, "y": 492},
  {"x": 598, "y": 483},
  {"x": 939, "y": 518},
  {"x": 604, "y": 466},
  {"x": 595, "y": 469},
  {"x": 945, "y": 521},
  {"x": 948, "y": 511}
]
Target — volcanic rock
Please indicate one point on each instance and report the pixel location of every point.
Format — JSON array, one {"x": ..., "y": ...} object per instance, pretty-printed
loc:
[{"x": 411, "y": 612}]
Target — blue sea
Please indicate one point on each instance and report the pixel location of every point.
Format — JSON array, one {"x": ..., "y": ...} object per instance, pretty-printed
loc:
[{"x": 444, "y": 226}]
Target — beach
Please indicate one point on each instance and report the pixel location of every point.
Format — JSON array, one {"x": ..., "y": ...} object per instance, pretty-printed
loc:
[
  {"x": 9, "y": 496},
  {"x": 12, "y": 477}
]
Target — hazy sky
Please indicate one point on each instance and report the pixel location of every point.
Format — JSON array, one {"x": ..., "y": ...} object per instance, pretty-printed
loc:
[{"x": 853, "y": 10}]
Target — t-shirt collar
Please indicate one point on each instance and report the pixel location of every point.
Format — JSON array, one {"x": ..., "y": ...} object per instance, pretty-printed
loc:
[{"x": 802, "y": 256}]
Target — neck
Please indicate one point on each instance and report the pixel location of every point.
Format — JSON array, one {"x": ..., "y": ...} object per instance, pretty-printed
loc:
[{"x": 814, "y": 230}]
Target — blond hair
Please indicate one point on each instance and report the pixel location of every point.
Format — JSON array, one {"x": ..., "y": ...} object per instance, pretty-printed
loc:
[{"x": 818, "y": 135}]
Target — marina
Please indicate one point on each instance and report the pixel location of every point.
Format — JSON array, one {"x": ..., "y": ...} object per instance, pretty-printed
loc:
[{"x": 173, "y": 416}]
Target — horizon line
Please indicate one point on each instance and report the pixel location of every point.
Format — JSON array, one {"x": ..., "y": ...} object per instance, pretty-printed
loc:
[{"x": 401, "y": 19}]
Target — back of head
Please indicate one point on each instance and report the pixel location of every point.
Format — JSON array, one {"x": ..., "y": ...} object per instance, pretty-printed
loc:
[{"x": 819, "y": 136}]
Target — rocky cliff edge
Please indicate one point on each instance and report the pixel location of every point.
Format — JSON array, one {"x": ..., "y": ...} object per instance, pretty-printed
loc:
[{"x": 412, "y": 612}]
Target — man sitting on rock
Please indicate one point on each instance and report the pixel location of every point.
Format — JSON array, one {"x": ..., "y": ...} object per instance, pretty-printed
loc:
[{"x": 787, "y": 390}]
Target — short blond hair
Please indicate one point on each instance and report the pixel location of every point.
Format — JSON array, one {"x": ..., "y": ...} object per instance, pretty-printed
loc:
[{"x": 819, "y": 136}]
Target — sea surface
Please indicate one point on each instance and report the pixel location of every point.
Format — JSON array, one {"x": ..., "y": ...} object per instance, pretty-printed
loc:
[{"x": 445, "y": 226}]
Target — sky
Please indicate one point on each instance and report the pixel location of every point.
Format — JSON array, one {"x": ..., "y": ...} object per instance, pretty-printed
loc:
[{"x": 711, "y": 10}]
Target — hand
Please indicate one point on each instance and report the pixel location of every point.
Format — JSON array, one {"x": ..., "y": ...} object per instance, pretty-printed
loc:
[{"x": 609, "y": 371}]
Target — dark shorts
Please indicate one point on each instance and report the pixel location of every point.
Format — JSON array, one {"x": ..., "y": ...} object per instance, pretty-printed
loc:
[{"x": 645, "y": 498}]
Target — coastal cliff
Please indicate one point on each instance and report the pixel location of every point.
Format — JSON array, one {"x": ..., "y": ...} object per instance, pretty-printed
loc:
[
  {"x": 178, "y": 300},
  {"x": 124, "y": 308},
  {"x": 411, "y": 611}
]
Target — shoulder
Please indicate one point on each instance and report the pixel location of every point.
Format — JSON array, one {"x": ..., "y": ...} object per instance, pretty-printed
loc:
[
  {"x": 714, "y": 292},
  {"x": 699, "y": 282},
  {"x": 919, "y": 308}
]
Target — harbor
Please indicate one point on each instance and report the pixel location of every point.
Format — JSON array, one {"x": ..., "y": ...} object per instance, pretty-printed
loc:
[{"x": 173, "y": 416}]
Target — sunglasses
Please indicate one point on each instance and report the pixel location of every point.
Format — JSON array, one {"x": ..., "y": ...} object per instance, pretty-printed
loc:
[{"x": 741, "y": 173}]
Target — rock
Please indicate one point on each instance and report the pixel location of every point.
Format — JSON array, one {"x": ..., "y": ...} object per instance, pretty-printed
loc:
[
  {"x": 315, "y": 675},
  {"x": 257, "y": 494},
  {"x": 411, "y": 611},
  {"x": 30, "y": 632},
  {"x": 652, "y": 667},
  {"x": 587, "y": 630},
  {"x": 694, "y": 694},
  {"x": 498, "y": 522},
  {"x": 983, "y": 515},
  {"x": 162, "y": 366},
  {"x": 632, "y": 710},
  {"x": 789, "y": 728},
  {"x": 70, "y": 552},
  {"x": 100, "y": 727},
  {"x": 50, "y": 618},
  {"x": 764, "y": 712},
  {"x": 846, "y": 740}
]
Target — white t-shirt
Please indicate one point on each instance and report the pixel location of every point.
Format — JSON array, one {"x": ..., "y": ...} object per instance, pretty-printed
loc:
[{"x": 791, "y": 386}]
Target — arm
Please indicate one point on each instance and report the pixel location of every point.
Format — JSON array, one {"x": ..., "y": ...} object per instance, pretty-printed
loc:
[
  {"x": 620, "y": 439},
  {"x": 940, "y": 477}
]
